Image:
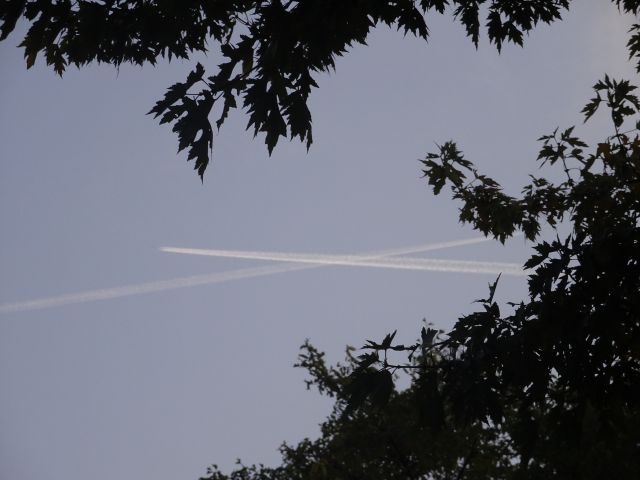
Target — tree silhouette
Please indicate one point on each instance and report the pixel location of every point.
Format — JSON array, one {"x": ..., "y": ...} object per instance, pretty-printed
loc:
[
  {"x": 548, "y": 390},
  {"x": 271, "y": 49}
]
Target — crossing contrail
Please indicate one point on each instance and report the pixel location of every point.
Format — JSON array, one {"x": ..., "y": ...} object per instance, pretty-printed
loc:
[
  {"x": 403, "y": 263},
  {"x": 149, "y": 287},
  {"x": 206, "y": 279}
]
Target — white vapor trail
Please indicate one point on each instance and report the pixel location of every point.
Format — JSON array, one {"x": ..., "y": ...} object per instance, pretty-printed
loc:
[
  {"x": 149, "y": 287},
  {"x": 425, "y": 264},
  {"x": 206, "y": 279}
]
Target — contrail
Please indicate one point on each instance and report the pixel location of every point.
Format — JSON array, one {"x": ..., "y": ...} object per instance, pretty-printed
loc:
[
  {"x": 206, "y": 279},
  {"x": 150, "y": 287},
  {"x": 424, "y": 264}
]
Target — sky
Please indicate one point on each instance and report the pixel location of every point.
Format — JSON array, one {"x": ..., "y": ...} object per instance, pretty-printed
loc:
[{"x": 161, "y": 384}]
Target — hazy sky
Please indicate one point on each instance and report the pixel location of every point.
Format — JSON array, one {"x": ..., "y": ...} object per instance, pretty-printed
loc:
[{"x": 159, "y": 385}]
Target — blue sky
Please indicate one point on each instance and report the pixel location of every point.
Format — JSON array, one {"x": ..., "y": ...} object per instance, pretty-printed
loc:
[{"x": 161, "y": 385}]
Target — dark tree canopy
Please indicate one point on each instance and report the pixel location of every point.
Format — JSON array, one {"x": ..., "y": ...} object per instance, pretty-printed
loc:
[
  {"x": 272, "y": 50},
  {"x": 548, "y": 390}
]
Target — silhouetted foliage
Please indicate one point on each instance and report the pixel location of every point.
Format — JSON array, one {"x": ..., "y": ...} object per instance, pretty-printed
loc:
[
  {"x": 549, "y": 390},
  {"x": 272, "y": 50}
]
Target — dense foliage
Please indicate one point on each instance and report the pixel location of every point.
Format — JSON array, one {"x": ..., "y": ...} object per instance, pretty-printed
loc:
[
  {"x": 271, "y": 49},
  {"x": 549, "y": 389}
]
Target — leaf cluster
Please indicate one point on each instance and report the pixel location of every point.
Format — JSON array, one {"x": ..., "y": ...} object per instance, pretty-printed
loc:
[
  {"x": 272, "y": 50},
  {"x": 396, "y": 440},
  {"x": 118, "y": 31},
  {"x": 561, "y": 373}
]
